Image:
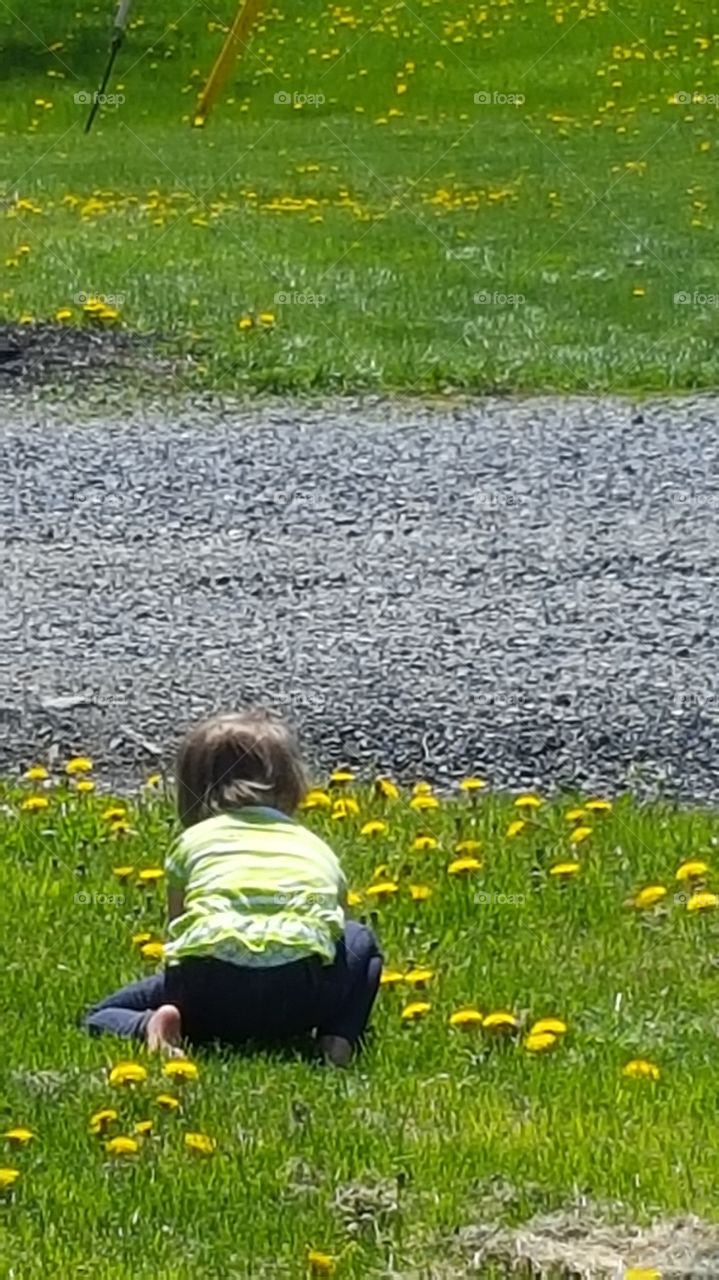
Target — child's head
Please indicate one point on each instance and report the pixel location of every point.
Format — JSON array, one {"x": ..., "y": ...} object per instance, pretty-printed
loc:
[{"x": 236, "y": 759}]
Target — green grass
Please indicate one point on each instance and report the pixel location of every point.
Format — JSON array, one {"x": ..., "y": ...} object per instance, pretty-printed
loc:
[
  {"x": 430, "y": 1114},
  {"x": 593, "y": 201}
]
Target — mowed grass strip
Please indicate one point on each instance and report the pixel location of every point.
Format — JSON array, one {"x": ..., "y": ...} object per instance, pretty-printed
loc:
[
  {"x": 494, "y": 912},
  {"x": 423, "y": 197}
]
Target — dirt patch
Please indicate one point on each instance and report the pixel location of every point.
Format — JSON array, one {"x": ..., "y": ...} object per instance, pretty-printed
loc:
[
  {"x": 35, "y": 353},
  {"x": 581, "y": 1244}
]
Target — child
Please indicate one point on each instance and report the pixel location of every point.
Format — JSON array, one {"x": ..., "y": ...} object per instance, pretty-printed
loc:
[{"x": 259, "y": 947}]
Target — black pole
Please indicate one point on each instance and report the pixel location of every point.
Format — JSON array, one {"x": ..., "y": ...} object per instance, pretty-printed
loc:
[{"x": 118, "y": 35}]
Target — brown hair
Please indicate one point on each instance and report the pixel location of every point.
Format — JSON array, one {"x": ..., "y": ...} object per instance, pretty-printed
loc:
[{"x": 235, "y": 759}]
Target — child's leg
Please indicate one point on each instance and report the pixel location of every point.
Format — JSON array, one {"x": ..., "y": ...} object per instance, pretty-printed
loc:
[
  {"x": 126, "y": 1012},
  {"x": 353, "y": 982}
]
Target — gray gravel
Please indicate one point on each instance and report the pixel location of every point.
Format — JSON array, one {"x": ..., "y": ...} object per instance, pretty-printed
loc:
[{"x": 525, "y": 588}]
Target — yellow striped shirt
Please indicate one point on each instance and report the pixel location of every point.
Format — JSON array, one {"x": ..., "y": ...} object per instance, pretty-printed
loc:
[{"x": 259, "y": 889}]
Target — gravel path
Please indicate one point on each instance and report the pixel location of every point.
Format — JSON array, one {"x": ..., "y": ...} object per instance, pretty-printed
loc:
[{"x": 525, "y": 588}]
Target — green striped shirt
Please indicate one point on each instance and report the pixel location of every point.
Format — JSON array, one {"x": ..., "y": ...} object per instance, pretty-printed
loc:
[{"x": 259, "y": 889}]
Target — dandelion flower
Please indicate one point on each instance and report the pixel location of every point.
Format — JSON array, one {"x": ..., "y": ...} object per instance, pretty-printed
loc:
[
  {"x": 153, "y": 780},
  {"x": 391, "y": 978},
  {"x": 564, "y": 870},
  {"x": 420, "y": 892},
  {"x": 20, "y": 1136},
  {"x": 316, "y": 799},
  {"x": 85, "y": 786},
  {"x": 200, "y": 1143},
  {"x": 144, "y": 1127},
  {"x": 8, "y": 1178},
  {"x": 421, "y": 844},
  {"x": 540, "y": 1041},
  {"x": 422, "y": 789},
  {"x": 515, "y": 828},
  {"x": 78, "y": 764},
  {"x": 63, "y": 313},
  {"x": 244, "y": 323},
  {"x": 463, "y": 866},
  {"x": 150, "y": 875},
  {"x": 382, "y": 891},
  {"x": 472, "y": 784},
  {"x": 320, "y": 1264},
  {"x": 421, "y": 803},
  {"x": 415, "y": 1011},
  {"x": 465, "y": 1019},
  {"x": 128, "y": 1073},
  {"x": 122, "y": 1146},
  {"x": 354, "y": 899},
  {"x": 168, "y": 1102},
  {"x": 579, "y": 834},
  {"x": 640, "y": 1069},
  {"x": 36, "y": 773},
  {"x": 101, "y": 1120},
  {"x": 345, "y": 808},
  {"x": 528, "y": 801},
  {"x": 574, "y": 815},
  {"x": 642, "y": 1273},
  {"x": 267, "y": 318},
  {"x": 180, "y": 1069},
  {"x": 501, "y": 1020},
  {"x": 115, "y": 813},
  {"x": 139, "y": 939},
  {"x": 650, "y": 896},
  {"x": 418, "y": 977},
  {"x": 152, "y": 950},
  {"x": 341, "y": 777},
  {"x": 123, "y": 873},
  {"x": 703, "y": 901},
  {"x": 598, "y": 806},
  {"x": 552, "y": 1026},
  {"x": 374, "y": 828},
  {"x": 694, "y": 869},
  {"x": 467, "y": 846},
  {"x": 386, "y": 788},
  {"x": 34, "y": 804}
]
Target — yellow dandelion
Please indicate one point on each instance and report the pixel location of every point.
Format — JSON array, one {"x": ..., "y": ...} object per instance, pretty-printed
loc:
[
  {"x": 200, "y": 1144},
  {"x": 316, "y": 799},
  {"x": 34, "y": 804},
  {"x": 574, "y": 815},
  {"x": 153, "y": 780},
  {"x": 152, "y": 950},
  {"x": 101, "y": 1120},
  {"x": 84, "y": 786},
  {"x": 420, "y": 892},
  {"x": 180, "y": 1069},
  {"x": 598, "y": 806},
  {"x": 467, "y": 846},
  {"x": 564, "y": 870},
  {"x": 144, "y": 1127},
  {"x": 168, "y": 1102},
  {"x": 418, "y": 977},
  {"x": 36, "y": 773},
  {"x": 341, "y": 777},
  {"x": 640, "y": 1069},
  {"x": 550, "y": 1026},
  {"x": 114, "y": 814},
  {"x": 347, "y": 807},
  {"x": 354, "y": 899},
  {"x": 703, "y": 901},
  {"x": 464, "y": 866},
  {"x": 374, "y": 828},
  {"x": 119, "y": 827},
  {"x": 422, "y": 803},
  {"x": 465, "y": 1019},
  {"x": 244, "y": 323},
  {"x": 580, "y": 834},
  {"x": 62, "y": 314},
  {"x": 150, "y": 875},
  {"x": 122, "y": 1146},
  {"x": 540, "y": 1041},
  {"x": 515, "y": 828},
  {"x": 382, "y": 891},
  {"x": 8, "y": 1178},
  {"x": 78, "y": 764},
  {"x": 650, "y": 896},
  {"x": 642, "y": 1273},
  {"x": 128, "y": 1073},
  {"x": 267, "y": 318},
  {"x": 472, "y": 784},
  {"x": 319, "y": 1263},
  {"x": 415, "y": 1011},
  {"x": 421, "y": 844},
  {"x": 139, "y": 939},
  {"x": 386, "y": 788},
  {"x": 528, "y": 801},
  {"x": 500, "y": 1021},
  {"x": 422, "y": 789},
  {"x": 694, "y": 869},
  {"x": 19, "y": 1137}
]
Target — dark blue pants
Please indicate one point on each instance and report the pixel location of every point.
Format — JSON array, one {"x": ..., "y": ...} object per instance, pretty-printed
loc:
[{"x": 235, "y": 1004}]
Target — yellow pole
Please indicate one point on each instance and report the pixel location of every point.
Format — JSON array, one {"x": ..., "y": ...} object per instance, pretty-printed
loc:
[{"x": 237, "y": 35}]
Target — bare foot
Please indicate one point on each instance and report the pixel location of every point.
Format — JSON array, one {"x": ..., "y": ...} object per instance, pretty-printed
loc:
[
  {"x": 164, "y": 1030},
  {"x": 336, "y": 1051}
]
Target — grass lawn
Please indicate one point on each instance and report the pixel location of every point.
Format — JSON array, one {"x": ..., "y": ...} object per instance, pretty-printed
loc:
[
  {"x": 518, "y": 194},
  {"x": 418, "y": 1130}
]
